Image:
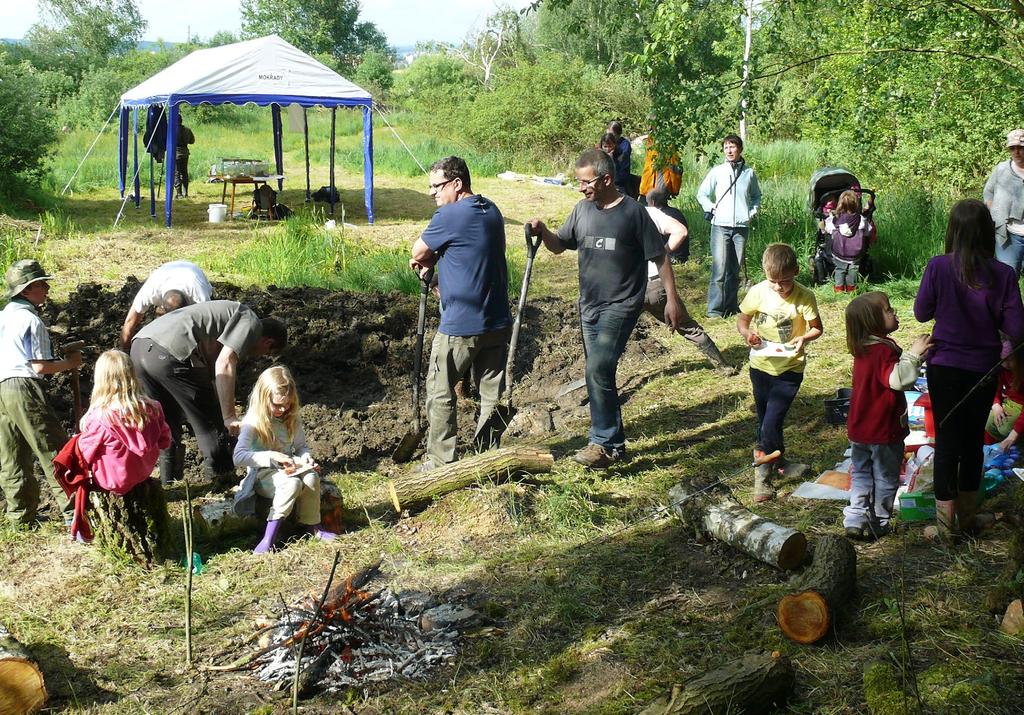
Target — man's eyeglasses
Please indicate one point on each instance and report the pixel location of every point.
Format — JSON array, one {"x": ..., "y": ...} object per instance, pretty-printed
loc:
[
  {"x": 439, "y": 186},
  {"x": 589, "y": 182}
]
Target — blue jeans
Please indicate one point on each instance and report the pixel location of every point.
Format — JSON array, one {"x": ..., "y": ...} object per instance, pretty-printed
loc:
[
  {"x": 1012, "y": 254},
  {"x": 773, "y": 394},
  {"x": 728, "y": 250},
  {"x": 874, "y": 478},
  {"x": 604, "y": 339}
]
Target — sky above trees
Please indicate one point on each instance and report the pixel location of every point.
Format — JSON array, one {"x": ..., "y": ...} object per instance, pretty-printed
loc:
[{"x": 404, "y": 22}]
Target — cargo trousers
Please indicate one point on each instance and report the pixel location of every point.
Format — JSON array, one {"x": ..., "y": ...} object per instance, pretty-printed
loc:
[
  {"x": 451, "y": 358},
  {"x": 29, "y": 432}
]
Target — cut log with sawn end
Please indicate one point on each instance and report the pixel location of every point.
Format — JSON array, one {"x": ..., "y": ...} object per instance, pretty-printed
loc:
[
  {"x": 22, "y": 689},
  {"x": 807, "y": 613},
  {"x": 757, "y": 683},
  {"x": 731, "y": 522},
  {"x": 419, "y": 487}
]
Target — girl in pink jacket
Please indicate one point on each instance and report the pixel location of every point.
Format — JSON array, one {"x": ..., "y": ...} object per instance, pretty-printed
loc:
[{"x": 123, "y": 431}]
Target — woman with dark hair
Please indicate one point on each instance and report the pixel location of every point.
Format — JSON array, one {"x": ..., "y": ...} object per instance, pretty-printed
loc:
[{"x": 972, "y": 297}]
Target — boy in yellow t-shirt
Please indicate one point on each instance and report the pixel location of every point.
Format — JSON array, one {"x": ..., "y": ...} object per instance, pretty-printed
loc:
[{"x": 778, "y": 317}]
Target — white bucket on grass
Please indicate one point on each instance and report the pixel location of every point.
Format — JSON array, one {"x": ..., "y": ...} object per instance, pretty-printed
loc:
[{"x": 217, "y": 212}]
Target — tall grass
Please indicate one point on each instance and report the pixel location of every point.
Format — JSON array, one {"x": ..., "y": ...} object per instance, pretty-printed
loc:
[{"x": 300, "y": 252}]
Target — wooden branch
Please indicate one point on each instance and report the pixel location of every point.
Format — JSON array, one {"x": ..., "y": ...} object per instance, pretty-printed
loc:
[
  {"x": 755, "y": 684},
  {"x": 728, "y": 521},
  {"x": 807, "y": 614},
  {"x": 416, "y": 488},
  {"x": 878, "y": 50},
  {"x": 22, "y": 689}
]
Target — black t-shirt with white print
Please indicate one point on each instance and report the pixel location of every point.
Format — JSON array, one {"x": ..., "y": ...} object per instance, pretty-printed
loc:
[{"x": 614, "y": 245}]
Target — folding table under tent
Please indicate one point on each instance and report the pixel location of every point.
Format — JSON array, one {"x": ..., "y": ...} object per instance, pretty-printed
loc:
[{"x": 264, "y": 71}]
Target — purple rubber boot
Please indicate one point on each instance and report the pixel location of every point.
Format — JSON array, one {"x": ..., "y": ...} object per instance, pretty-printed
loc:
[
  {"x": 319, "y": 533},
  {"x": 268, "y": 537}
]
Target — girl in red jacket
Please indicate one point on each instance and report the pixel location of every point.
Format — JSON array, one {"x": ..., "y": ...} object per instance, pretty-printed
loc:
[
  {"x": 123, "y": 431},
  {"x": 877, "y": 421}
]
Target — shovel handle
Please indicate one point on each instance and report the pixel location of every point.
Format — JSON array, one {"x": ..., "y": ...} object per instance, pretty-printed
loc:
[
  {"x": 532, "y": 242},
  {"x": 417, "y": 358},
  {"x": 531, "y": 253}
]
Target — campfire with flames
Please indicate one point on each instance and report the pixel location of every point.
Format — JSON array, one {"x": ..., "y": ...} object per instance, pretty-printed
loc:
[{"x": 359, "y": 636}]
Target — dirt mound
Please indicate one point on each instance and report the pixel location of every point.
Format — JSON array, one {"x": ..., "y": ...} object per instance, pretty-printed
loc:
[{"x": 351, "y": 354}]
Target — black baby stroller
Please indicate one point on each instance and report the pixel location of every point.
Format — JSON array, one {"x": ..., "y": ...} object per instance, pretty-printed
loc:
[{"x": 826, "y": 185}]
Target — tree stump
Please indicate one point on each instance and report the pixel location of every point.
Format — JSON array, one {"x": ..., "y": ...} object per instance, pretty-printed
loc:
[
  {"x": 731, "y": 522},
  {"x": 22, "y": 689},
  {"x": 757, "y": 683},
  {"x": 806, "y": 615},
  {"x": 134, "y": 526},
  {"x": 420, "y": 487}
]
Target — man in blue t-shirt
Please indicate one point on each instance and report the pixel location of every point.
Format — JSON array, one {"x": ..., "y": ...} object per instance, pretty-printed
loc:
[
  {"x": 614, "y": 238},
  {"x": 466, "y": 241}
]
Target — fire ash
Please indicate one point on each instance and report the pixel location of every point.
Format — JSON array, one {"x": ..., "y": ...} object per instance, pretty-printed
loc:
[{"x": 360, "y": 637}]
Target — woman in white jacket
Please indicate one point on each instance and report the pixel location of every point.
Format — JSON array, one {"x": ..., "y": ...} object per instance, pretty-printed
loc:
[{"x": 730, "y": 197}]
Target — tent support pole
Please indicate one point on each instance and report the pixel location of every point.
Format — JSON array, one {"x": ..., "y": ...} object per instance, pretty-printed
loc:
[
  {"x": 368, "y": 161},
  {"x": 152, "y": 191},
  {"x": 135, "y": 151},
  {"x": 334, "y": 114},
  {"x": 173, "y": 114},
  {"x": 305, "y": 136},
  {"x": 122, "y": 149},
  {"x": 275, "y": 115}
]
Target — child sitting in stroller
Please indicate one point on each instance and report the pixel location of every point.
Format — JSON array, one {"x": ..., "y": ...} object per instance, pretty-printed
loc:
[
  {"x": 827, "y": 186},
  {"x": 851, "y": 234}
]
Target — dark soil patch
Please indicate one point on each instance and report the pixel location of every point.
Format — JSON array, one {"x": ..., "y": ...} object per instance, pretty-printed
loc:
[{"x": 352, "y": 354}]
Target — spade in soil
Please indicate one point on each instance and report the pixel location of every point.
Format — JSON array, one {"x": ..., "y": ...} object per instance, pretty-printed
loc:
[{"x": 406, "y": 448}]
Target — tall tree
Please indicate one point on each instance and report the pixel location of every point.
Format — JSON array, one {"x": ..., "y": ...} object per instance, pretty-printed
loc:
[
  {"x": 315, "y": 26},
  {"x": 75, "y": 34}
]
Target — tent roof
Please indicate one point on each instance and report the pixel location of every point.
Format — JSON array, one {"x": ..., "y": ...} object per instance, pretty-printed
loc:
[{"x": 263, "y": 71}]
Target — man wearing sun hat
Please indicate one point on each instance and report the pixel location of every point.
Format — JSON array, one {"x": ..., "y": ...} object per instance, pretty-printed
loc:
[
  {"x": 28, "y": 426},
  {"x": 1004, "y": 196}
]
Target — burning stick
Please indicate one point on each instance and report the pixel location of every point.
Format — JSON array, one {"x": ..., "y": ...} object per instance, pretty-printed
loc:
[{"x": 302, "y": 643}]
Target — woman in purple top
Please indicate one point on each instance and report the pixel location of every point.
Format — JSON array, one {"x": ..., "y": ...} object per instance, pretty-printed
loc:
[{"x": 972, "y": 297}]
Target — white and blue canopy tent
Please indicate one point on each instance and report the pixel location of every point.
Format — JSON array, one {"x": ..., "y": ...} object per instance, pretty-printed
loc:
[{"x": 264, "y": 71}]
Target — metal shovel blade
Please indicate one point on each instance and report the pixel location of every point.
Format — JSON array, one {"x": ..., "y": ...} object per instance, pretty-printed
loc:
[
  {"x": 572, "y": 386},
  {"x": 407, "y": 446}
]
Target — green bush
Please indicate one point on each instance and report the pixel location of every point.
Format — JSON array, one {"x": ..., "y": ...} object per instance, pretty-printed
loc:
[
  {"x": 374, "y": 74},
  {"x": 548, "y": 111},
  {"x": 433, "y": 86},
  {"x": 28, "y": 123},
  {"x": 101, "y": 87}
]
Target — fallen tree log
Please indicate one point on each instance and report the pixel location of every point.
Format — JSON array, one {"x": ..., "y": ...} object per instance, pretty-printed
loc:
[
  {"x": 416, "y": 488},
  {"x": 22, "y": 689},
  {"x": 731, "y": 522},
  {"x": 136, "y": 525},
  {"x": 807, "y": 614},
  {"x": 757, "y": 683}
]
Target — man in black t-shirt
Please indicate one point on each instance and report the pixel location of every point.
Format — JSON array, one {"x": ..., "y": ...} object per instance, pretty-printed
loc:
[{"x": 615, "y": 238}]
